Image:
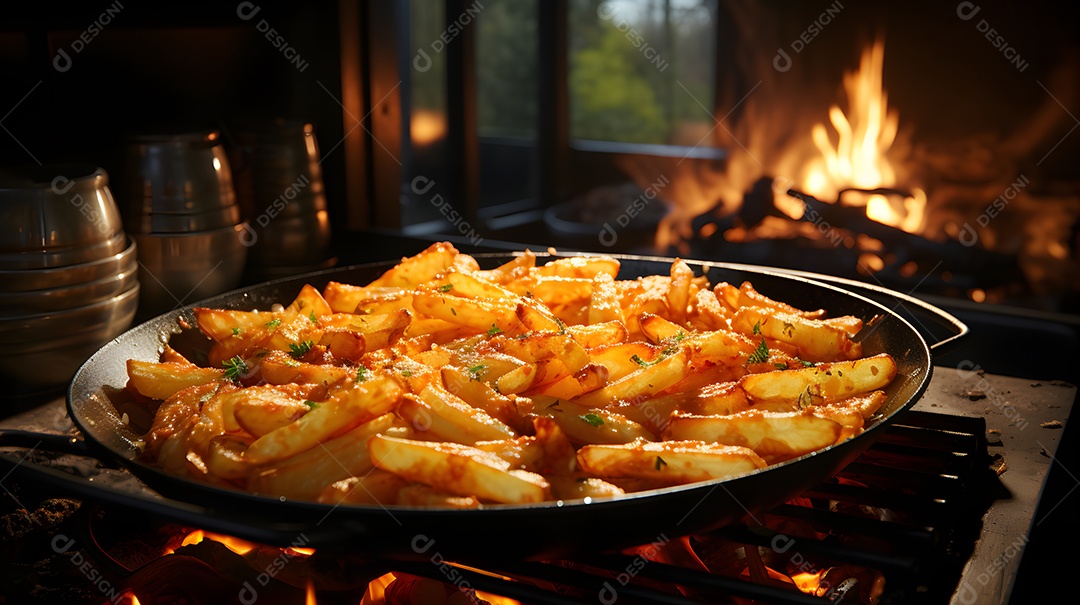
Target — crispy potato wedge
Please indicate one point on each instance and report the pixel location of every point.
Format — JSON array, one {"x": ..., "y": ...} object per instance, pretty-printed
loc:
[
  {"x": 775, "y": 437},
  {"x": 828, "y": 381},
  {"x": 458, "y": 469},
  {"x": 346, "y": 409},
  {"x": 163, "y": 380},
  {"x": 670, "y": 462}
]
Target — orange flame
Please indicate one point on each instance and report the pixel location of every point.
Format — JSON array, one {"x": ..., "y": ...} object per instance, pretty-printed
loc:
[{"x": 859, "y": 156}]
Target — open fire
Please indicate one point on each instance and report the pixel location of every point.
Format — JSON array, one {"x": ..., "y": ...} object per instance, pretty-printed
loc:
[{"x": 876, "y": 190}]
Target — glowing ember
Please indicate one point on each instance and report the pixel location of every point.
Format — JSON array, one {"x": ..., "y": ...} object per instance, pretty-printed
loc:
[
  {"x": 237, "y": 545},
  {"x": 808, "y": 582}
]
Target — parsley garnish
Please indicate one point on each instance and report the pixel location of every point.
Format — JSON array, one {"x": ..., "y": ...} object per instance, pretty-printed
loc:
[
  {"x": 760, "y": 354},
  {"x": 757, "y": 328},
  {"x": 493, "y": 330},
  {"x": 273, "y": 323},
  {"x": 236, "y": 331},
  {"x": 476, "y": 370},
  {"x": 780, "y": 366},
  {"x": 299, "y": 350},
  {"x": 313, "y": 319},
  {"x": 805, "y": 399},
  {"x": 361, "y": 374},
  {"x": 406, "y": 373},
  {"x": 641, "y": 362},
  {"x": 310, "y": 404},
  {"x": 235, "y": 368},
  {"x": 660, "y": 463},
  {"x": 808, "y": 364},
  {"x": 592, "y": 419},
  {"x": 446, "y": 288}
]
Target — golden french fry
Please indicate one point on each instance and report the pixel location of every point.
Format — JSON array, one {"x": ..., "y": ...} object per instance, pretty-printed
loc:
[
  {"x": 678, "y": 294},
  {"x": 706, "y": 313},
  {"x": 658, "y": 329},
  {"x": 162, "y": 380},
  {"x": 481, "y": 316},
  {"x": 458, "y": 469},
  {"x": 419, "y": 269},
  {"x": 307, "y": 475},
  {"x": 225, "y": 458},
  {"x": 647, "y": 381},
  {"x": 775, "y": 437},
  {"x": 278, "y": 368},
  {"x": 580, "y": 266},
  {"x": 510, "y": 271},
  {"x": 537, "y": 317},
  {"x": 469, "y": 386},
  {"x": 828, "y": 381},
  {"x": 575, "y": 488},
  {"x": 816, "y": 340},
  {"x": 377, "y": 487},
  {"x": 472, "y": 424},
  {"x": 583, "y": 424},
  {"x": 599, "y": 335},
  {"x": 348, "y": 408},
  {"x": 670, "y": 462},
  {"x": 309, "y": 303},
  {"x": 587, "y": 379},
  {"x": 263, "y": 409},
  {"x": 469, "y": 286},
  {"x": 746, "y": 296},
  {"x": 604, "y": 300}
]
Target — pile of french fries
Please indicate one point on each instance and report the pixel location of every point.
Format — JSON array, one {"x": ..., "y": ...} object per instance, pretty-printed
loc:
[{"x": 440, "y": 384}]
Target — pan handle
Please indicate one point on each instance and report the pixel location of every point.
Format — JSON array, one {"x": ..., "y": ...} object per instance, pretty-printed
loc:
[
  {"x": 49, "y": 442},
  {"x": 941, "y": 328}
]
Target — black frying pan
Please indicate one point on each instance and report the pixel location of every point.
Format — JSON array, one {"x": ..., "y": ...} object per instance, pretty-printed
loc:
[{"x": 537, "y": 530}]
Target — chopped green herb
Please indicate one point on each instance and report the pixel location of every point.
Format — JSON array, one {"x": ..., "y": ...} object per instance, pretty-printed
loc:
[
  {"x": 310, "y": 404},
  {"x": 638, "y": 360},
  {"x": 592, "y": 419},
  {"x": 760, "y": 354},
  {"x": 805, "y": 399},
  {"x": 476, "y": 370},
  {"x": 660, "y": 463},
  {"x": 273, "y": 323},
  {"x": 780, "y": 366},
  {"x": 299, "y": 350},
  {"x": 562, "y": 326},
  {"x": 361, "y": 374},
  {"x": 757, "y": 328},
  {"x": 493, "y": 330},
  {"x": 406, "y": 373},
  {"x": 235, "y": 368},
  {"x": 236, "y": 331},
  {"x": 313, "y": 319},
  {"x": 446, "y": 288},
  {"x": 808, "y": 364}
]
